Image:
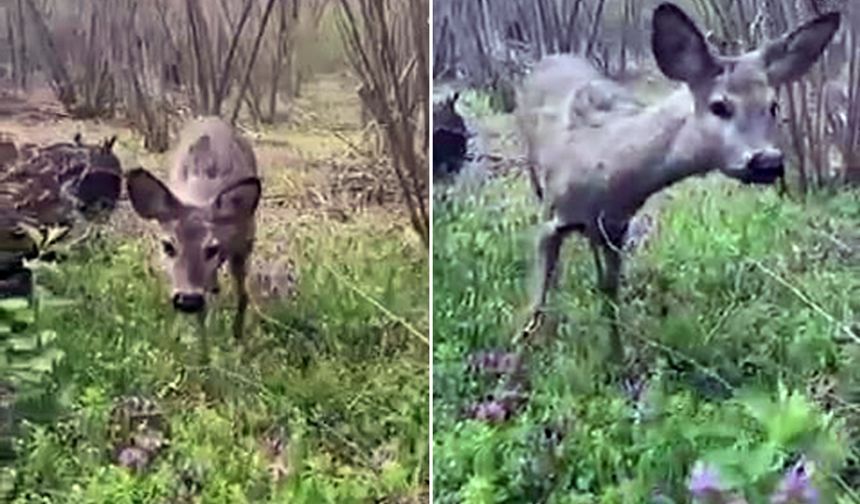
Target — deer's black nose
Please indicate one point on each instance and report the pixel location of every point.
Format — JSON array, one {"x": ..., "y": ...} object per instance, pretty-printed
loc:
[
  {"x": 188, "y": 303},
  {"x": 766, "y": 167},
  {"x": 772, "y": 162}
]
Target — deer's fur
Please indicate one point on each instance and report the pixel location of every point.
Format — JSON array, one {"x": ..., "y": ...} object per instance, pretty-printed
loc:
[
  {"x": 597, "y": 155},
  {"x": 206, "y": 212}
]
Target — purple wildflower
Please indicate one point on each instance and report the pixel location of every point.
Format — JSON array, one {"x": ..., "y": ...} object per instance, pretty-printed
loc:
[
  {"x": 796, "y": 487},
  {"x": 133, "y": 458},
  {"x": 491, "y": 411},
  {"x": 705, "y": 484}
]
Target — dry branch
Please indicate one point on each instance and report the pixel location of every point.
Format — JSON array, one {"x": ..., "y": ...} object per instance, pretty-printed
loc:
[
  {"x": 386, "y": 43},
  {"x": 252, "y": 60}
]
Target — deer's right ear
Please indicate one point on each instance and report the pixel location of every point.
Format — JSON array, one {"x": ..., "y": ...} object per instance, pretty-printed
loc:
[
  {"x": 680, "y": 48},
  {"x": 150, "y": 198}
]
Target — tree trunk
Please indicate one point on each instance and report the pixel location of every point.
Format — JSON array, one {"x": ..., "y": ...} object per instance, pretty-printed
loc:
[
  {"x": 13, "y": 49},
  {"x": 23, "y": 62},
  {"x": 59, "y": 74},
  {"x": 278, "y": 63},
  {"x": 595, "y": 28},
  {"x": 194, "y": 26},
  {"x": 252, "y": 60},
  {"x": 221, "y": 90}
]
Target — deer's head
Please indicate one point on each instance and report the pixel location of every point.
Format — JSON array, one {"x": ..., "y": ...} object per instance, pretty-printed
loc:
[
  {"x": 195, "y": 240},
  {"x": 736, "y": 106}
]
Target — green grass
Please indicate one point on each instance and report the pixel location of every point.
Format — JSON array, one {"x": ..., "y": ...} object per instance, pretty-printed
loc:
[
  {"x": 347, "y": 381},
  {"x": 736, "y": 309}
]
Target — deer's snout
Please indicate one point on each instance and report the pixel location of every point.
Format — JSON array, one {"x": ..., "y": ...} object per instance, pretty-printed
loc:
[
  {"x": 189, "y": 303},
  {"x": 765, "y": 167}
]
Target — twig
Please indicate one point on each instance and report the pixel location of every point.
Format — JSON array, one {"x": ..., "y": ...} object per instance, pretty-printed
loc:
[
  {"x": 719, "y": 323},
  {"x": 379, "y": 306},
  {"x": 349, "y": 143},
  {"x": 806, "y": 300},
  {"x": 682, "y": 356}
]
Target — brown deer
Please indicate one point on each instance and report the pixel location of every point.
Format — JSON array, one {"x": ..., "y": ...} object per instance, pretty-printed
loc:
[
  {"x": 597, "y": 157},
  {"x": 206, "y": 213}
]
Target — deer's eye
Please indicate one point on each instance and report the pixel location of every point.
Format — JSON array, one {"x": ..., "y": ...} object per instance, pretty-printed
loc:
[
  {"x": 722, "y": 109},
  {"x": 169, "y": 249},
  {"x": 210, "y": 252},
  {"x": 774, "y": 109}
]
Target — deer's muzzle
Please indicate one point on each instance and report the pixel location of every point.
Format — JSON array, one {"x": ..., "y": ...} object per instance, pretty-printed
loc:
[
  {"x": 189, "y": 303},
  {"x": 765, "y": 168}
]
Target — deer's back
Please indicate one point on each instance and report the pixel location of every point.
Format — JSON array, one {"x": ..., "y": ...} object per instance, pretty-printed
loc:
[
  {"x": 589, "y": 136},
  {"x": 211, "y": 155},
  {"x": 565, "y": 93}
]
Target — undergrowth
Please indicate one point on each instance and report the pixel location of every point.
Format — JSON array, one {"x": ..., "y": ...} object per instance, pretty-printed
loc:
[
  {"x": 340, "y": 371},
  {"x": 741, "y": 309}
]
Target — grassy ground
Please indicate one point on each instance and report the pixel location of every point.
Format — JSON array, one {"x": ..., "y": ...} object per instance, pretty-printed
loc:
[
  {"x": 338, "y": 369},
  {"x": 742, "y": 309}
]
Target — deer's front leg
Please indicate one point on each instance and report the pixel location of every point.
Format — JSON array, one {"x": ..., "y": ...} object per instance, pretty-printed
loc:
[
  {"x": 535, "y": 181},
  {"x": 238, "y": 270},
  {"x": 598, "y": 262},
  {"x": 613, "y": 240},
  {"x": 204, "y": 337},
  {"x": 549, "y": 245},
  {"x": 609, "y": 286}
]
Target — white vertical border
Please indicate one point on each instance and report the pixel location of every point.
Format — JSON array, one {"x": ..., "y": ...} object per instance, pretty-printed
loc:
[{"x": 430, "y": 248}]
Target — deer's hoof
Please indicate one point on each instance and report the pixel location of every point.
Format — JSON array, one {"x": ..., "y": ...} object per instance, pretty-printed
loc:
[{"x": 532, "y": 327}]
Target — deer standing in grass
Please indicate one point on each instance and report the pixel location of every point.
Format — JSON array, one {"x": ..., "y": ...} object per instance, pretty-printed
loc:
[
  {"x": 206, "y": 214},
  {"x": 596, "y": 155}
]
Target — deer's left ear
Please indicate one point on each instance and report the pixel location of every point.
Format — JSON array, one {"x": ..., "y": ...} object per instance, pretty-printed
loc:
[
  {"x": 238, "y": 201},
  {"x": 792, "y": 55},
  {"x": 679, "y": 47}
]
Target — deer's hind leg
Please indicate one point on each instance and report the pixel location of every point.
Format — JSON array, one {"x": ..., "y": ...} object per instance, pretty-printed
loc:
[{"x": 239, "y": 271}]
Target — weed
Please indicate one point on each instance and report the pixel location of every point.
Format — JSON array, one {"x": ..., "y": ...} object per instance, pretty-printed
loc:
[
  {"x": 349, "y": 411},
  {"x": 740, "y": 310}
]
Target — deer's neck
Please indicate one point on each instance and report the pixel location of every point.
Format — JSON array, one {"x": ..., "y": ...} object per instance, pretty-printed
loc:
[{"x": 671, "y": 150}]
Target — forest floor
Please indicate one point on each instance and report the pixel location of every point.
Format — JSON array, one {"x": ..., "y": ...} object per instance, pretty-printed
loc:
[
  {"x": 336, "y": 358},
  {"x": 741, "y": 309}
]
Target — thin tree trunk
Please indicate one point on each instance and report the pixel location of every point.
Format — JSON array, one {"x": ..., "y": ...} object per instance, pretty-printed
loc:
[
  {"x": 59, "y": 74},
  {"x": 278, "y": 63},
  {"x": 595, "y": 28},
  {"x": 10, "y": 37},
  {"x": 23, "y": 63},
  {"x": 221, "y": 90},
  {"x": 202, "y": 80},
  {"x": 252, "y": 60},
  {"x": 797, "y": 139}
]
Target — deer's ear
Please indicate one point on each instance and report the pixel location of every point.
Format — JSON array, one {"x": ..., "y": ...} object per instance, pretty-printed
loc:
[
  {"x": 108, "y": 144},
  {"x": 238, "y": 201},
  {"x": 680, "y": 48},
  {"x": 792, "y": 55},
  {"x": 150, "y": 198}
]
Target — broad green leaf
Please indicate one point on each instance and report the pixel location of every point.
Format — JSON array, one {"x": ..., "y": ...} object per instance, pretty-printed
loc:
[
  {"x": 14, "y": 304},
  {"x": 24, "y": 343}
]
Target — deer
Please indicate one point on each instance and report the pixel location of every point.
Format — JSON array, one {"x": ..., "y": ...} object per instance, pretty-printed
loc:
[
  {"x": 593, "y": 172},
  {"x": 206, "y": 214}
]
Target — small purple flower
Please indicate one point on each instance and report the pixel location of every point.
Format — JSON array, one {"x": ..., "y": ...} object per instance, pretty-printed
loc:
[
  {"x": 705, "y": 483},
  {"x": 491, "y": 411},
  {"x": 796, "y": 487},
  {"x": 133, "y": 458}
]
